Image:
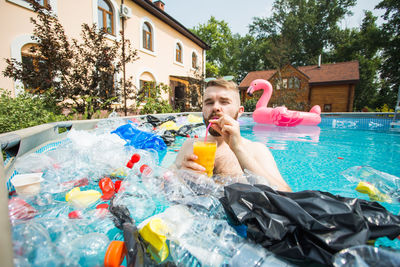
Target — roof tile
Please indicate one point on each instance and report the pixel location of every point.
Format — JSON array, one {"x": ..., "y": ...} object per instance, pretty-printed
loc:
[{"x": 336, "y": 72}]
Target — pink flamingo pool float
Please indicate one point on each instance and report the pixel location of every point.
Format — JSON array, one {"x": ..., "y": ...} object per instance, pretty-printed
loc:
[{"x": 280, "y": 116}]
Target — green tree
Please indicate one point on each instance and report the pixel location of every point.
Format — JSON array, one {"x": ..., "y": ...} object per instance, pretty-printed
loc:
[
  {"x": 219, "y": 36},
  {"x": 300, "y": 28},
  {"x": 390, "y": 68},
  {"x": 364, "y": 45},
  {"x": 80, "y": 75}
]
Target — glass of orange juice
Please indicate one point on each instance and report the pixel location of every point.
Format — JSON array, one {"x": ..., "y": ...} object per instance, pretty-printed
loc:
[{"x": 205, "y": 152}]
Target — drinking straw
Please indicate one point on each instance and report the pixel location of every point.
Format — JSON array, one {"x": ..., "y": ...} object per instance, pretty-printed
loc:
[{"x": 208, "y": 127}]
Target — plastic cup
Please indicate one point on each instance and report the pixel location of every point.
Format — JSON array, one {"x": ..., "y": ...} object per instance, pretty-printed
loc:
[
  {"x": 205, "y": 151},
  {"x": 27, "y": 184}
]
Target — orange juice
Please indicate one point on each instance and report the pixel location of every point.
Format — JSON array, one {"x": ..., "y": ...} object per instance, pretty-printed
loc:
[{"x": 205, "y": 151}]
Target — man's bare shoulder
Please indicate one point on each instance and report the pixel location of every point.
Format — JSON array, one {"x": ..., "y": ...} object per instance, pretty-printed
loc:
[{"x": 253, "y": 145}]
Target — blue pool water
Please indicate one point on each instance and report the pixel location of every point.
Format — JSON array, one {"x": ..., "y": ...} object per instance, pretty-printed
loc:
[{"x": 314, "y": 157}]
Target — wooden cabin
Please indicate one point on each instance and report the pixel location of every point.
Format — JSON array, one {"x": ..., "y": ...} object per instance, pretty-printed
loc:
[{"x": 331, "y": 86}]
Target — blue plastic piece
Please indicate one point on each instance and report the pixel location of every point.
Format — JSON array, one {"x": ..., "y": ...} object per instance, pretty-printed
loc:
[
  {"x": 141, "y": 139},
  {"x": 240, "y": 229}
]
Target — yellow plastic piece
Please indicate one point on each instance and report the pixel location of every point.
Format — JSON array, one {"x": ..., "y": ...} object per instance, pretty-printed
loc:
[
  {"x": 119, "y": 173},
  {"x": 373, "y": 192},
  {"x": 72, "y": 192},
  {"x": 82, "y": 199},
  {"x": 169, "y": 125},
  {"x": 194, "y": 119},
  {"x": 154, "y": 233}
]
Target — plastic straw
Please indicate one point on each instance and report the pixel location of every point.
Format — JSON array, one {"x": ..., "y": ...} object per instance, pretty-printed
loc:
[{"x": 208, "y": 127}]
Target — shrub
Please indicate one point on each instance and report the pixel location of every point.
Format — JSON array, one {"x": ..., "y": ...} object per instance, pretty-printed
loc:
[
  {"x": 250, "y": 105},
  {"x": 157, "y": 106},
  {"x": 26, "y": 110},
  {"x": 384, "y": 108}
]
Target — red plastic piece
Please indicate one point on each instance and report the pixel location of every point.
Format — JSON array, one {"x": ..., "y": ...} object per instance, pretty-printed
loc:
[
  {"x": 117, "y": 185},
  {"x": 75, "y": 183},
  {"x": 188, "y": 136},
  {"x": 102, "y": 206},
  {"x": 196, "y": 136},
  {"x": 107, "y": 187},
  {"x": 340, "y": 158},
  {"x": 130, "y": 164},
  {"x": 107, "y": 196},
  {"x": 19, "y": 209},
  {"x": 76, "y": 214},
  {"x": 135, "y": 158},
  {"x": 143, "y": 167}
]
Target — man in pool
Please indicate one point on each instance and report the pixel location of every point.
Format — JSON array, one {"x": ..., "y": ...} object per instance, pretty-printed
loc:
[{"x": 221, "y": 107}]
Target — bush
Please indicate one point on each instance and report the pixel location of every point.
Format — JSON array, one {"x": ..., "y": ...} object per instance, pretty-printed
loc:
[
  {"x": 384, "y": 108},
  {"x": 157, "y": 106},
  {"x": 26, "y": 110},
  {"x": 250, "y": 105}
]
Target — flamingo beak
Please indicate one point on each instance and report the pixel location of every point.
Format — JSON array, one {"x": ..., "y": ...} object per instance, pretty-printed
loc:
[{"x": 250, "y": 91}]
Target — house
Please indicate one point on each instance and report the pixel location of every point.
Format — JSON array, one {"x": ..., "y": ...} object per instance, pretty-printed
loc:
[
  {"x": 168, "y": 52},
  {"x": 331, "y": 86}
]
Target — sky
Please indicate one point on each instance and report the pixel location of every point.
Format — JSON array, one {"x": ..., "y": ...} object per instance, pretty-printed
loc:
[{"x": 239, "y": 13}]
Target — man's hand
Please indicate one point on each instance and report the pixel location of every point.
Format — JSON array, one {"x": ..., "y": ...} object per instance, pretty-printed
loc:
[
  {"x": 189, "y": 164},
  {"x": 229, "y": 129}
]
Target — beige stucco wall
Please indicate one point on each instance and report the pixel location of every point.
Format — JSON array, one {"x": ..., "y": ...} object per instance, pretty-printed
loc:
[{"x": 73, "y": 13}]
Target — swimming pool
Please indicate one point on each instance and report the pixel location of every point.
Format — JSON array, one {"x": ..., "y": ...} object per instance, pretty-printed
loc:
[
  {"x": 313, "y": 157},
  {"x": 308, "y": 158}
]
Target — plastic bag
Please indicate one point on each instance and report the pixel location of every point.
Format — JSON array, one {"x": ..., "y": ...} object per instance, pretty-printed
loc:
[
  {"x": 379, "y": 186},
  {"x": 187, "y": 129},
  {"x": 157, "y": 121},
  {"x": 168, "y": 138},
  {"x": 308, "y": 224},
  {"x": 140, "y": 139}
]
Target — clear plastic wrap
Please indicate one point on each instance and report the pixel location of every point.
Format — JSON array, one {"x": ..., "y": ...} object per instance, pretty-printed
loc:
[
  {"x": 379, "y": 186},
  {"x": 366, "y": 256}
]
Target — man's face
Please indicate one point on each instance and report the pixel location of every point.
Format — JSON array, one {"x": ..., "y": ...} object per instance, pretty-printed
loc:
[{"x": 218, "y": 101}]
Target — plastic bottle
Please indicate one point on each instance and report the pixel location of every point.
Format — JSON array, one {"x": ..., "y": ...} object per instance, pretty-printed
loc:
[
  {"x": 182, "y": 257},
  {"x": 250, "y": 255}
]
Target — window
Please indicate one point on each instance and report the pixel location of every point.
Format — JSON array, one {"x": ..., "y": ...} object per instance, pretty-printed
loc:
[
  {"x": 294, "y": 83},
  {"x": 178, "y": 55},
  {"x": 26, "y": 4},
  {"x": 327, "y": 107},
  {"x": 277, "y": 84},
  {"x": 194, "y": 60},
  {"x": 291, "y": 83},
  {"x": 29, "y": 56},
  {"x": 147, "y": 36},
  {"x": 146, "y": 88},
  {"x": 105, "y": 17},
  {"x": 33, "y": 62},
  {"x": 285, "y": 83},
  {"x": 41, "y": 2}
]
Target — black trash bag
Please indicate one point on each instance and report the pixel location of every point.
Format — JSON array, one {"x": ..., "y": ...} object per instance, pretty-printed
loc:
[
  {"x": 135, "y": 246},
  {"x": 153, "y": 120},
  {"x": 306, "y": 225},
  {"x": 186, "y": 129},
  {"x": 168, "y": 137},
  {"x": 169, "y": 118}
]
